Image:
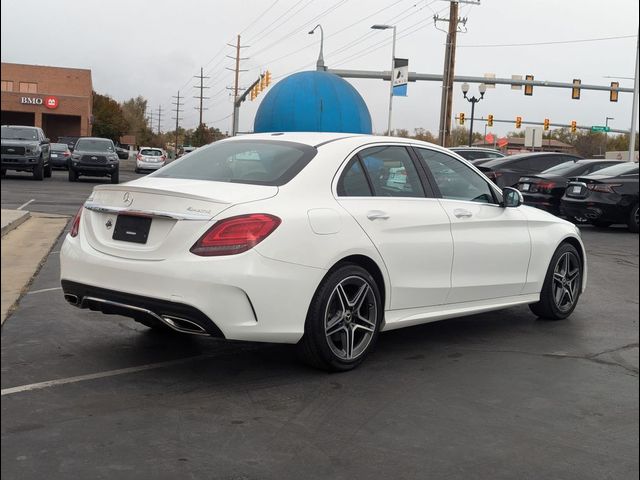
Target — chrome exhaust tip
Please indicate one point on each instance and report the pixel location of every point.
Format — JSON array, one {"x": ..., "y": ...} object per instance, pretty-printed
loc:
[
  {"x": 72, "y": 299},
  {"x": 183, "y": 325}
]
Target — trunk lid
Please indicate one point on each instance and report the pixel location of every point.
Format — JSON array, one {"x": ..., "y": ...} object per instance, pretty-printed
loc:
[{"x": 168, "y": 214}]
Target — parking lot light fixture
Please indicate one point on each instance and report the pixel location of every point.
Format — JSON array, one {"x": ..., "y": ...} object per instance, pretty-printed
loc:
[{"x": 473, "y": 100}]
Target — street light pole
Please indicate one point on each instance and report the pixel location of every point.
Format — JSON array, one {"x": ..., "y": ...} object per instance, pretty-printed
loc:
[
  {"x": 320, "y": 62},
  {"x": 393, "y": 57},
  {"x": 606, "y": 135},
  {"x": 473, "y": 100}
]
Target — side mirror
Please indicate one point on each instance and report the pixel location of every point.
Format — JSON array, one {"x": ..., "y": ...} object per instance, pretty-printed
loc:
[
  {"x": 46, "y": 140},
  {"x": 511, "y": 197}
]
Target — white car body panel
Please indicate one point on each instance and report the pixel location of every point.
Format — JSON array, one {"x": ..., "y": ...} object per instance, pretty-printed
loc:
[{"x": 444, "y": 267}]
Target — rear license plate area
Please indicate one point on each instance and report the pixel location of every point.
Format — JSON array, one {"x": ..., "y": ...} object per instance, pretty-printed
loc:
[
  {"x": 576, "y": 189},
  {"x": 131, "y": 228}
]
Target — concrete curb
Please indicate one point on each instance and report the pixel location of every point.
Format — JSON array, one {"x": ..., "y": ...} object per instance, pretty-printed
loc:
[{"x": 12, "y": 219}]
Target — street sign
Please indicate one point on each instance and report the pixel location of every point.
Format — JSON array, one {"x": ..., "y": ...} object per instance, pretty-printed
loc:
[
  {"x": 533, "y": 137},
  {"x": 400, "y": 76},
  {"x": 600, "y": 128}
]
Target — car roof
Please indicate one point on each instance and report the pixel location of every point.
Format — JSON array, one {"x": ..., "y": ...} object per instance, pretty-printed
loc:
[
  {"x": 479, "y": 149},
  {"x": 95, "y": 138},
  {"x": 519, "y": 156},
  {"x": 150, "y": 148},
  {"x": 19, "y": 126}
]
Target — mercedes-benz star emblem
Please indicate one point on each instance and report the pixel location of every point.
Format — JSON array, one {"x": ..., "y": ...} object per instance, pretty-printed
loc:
[
  {"x": 127, "y": 198},
  {"x": 109, "y": 224}
]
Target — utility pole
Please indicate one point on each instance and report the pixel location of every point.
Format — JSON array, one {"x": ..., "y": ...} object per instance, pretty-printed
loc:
[
  {"x": 236, "y": 83},
  {"x": 159, "y": 117},
  {"x": 177, "y": 119},
  {"x": 201, "y": 97},
  {"x": 446, "y": 103}
]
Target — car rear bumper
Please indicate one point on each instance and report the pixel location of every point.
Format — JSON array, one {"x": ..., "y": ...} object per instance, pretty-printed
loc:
[
  {"x": 544, "y": 202},
  {"x": 245, "y": 296},
  {"x": 149, "y": 165},
  {"x": 595, "y": 211}
]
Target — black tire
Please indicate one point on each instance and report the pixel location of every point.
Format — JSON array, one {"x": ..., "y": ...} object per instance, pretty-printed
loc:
[
  {"x": 330, "y": 352},
  {"x": 137, "y": 170},
  {"x": 73, "y": 176},
  {"x": 38, "y": 172},
  {"x": 633, "y": 219},
  {"x": 600, "y": 224},
  {"x": 115, "y": 176},
  {"x": 47, "y": 170},
  {"x": 548, "y": 307}
]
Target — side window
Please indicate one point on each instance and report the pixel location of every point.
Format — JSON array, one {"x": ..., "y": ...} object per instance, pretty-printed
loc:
[
  {"x": 353, "y": 182},
  {"x": 525, "y": 164},
  {"x": 455, "y": 180},
  {"x": 391, "y": 172}
]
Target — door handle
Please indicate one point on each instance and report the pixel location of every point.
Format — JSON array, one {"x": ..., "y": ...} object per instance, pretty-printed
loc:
[
  {"x": 462, "y": 213},
  {"x": 377, "y": 215}
]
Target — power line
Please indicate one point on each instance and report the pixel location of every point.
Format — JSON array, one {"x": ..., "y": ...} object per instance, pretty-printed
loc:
[
  {"x": 261, "y": 15},
  {"x": 557, "y": 42},
  {"x": 292, "y": 11}
]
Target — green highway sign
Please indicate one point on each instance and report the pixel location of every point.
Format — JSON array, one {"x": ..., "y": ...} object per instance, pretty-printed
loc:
[{"x": 600, "y": 128}]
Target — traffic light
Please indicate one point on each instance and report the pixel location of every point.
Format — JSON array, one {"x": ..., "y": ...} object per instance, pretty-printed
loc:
[
  {"x": 490, "y": 120},
  {"x": 261, "y": 85},
  {"x": 574, "y": 126},
  {"x": 613, "y": 94},
  {"x": 267, "y": 78},
  {"x": 575, "y": 91},
  {"x": 461, "y": 118},
  {"x": 546, "y": 124},
  {"x": 518, "y": 121},
  {"x": 254, "y": 93},
  {"x": 528, "y": 89}
]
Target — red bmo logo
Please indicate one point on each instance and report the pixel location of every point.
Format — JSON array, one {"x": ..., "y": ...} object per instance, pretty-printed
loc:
[{"x": 51, "y": 102}]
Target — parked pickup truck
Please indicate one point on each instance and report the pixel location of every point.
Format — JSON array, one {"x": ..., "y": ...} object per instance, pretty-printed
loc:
[{"x": 25, "y": 149}]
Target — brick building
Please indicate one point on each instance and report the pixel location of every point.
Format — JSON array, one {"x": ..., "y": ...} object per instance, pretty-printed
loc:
[{"x": 56, "y": 99}]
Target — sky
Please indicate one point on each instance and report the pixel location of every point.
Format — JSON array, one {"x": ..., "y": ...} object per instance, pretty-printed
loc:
[{"x": 154, "y": 48}]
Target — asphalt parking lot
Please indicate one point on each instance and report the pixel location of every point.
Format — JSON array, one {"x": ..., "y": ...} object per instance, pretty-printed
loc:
[{"x": 499, "y": 395}]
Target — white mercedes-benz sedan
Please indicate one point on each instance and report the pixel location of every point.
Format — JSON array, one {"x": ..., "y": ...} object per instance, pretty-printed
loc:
[{"x": 319, "y": 239}]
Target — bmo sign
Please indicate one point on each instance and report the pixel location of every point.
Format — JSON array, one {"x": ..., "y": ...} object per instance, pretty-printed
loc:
[{"x": 49, "y": 102}]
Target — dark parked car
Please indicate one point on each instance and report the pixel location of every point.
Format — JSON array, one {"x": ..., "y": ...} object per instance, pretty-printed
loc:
[
  {"x": 94, "y": 157},
  {"x": 70, "y": 141},
  {"x": 474, "y": 154},
  {"x": 545, "y": 189},
  {"x": 60, "y": 154},
  {"x": 506, "y": 171},
  {"x": 123, "y": 153},
  {"x": 606, "y": 197},
  {"x": 25, "y": 149}
]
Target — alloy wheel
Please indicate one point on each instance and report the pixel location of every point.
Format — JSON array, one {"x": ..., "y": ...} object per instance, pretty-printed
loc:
[
  {"x": 350, "y": 318},
  {"x": 566, "y": 281}
]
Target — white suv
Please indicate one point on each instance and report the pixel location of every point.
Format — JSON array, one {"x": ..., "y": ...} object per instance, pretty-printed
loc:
[{"x": 150, "y": 159}]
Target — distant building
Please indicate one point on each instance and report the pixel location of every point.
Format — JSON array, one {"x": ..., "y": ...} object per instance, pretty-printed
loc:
[
  {"x": 516, "y": 145},
  {"x": 58, "y": 100}
]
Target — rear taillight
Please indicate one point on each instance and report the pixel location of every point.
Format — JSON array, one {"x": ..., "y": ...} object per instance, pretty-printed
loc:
[
  {"x": 75, "y": 225},
  {"x": 138, "y": 157},
  {"x": 603, "y": 187},
  {"x": 67, "y": 153},
  {"x": 235, "y": 235},
  {"x": 163, "y": 158},
  {"x": 546, "y": 187}
]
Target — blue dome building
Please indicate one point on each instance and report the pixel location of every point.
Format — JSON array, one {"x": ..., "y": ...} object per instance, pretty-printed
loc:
[{"x": 315, "y": 101}]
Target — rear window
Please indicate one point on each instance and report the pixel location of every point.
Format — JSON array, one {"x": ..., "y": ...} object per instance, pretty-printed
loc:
[
  {"x": 59, "y": 147},
  {"x": 259, "y": 162},
  {"x": 564, "y": 168},
  {"x": 619, "y": 169},
  {"x": 151, "y": 153}
]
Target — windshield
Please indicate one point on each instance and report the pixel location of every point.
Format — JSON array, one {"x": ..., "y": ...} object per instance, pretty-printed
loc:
[
  {"x": 619, "y": 169},
  {"x": 259, "y": 162},
  {"x": 19, "y": 133},
  {"x": 59, "y": 146},
  {"x": 94, "y": 145},
  {"x": 563, "y": 168}
]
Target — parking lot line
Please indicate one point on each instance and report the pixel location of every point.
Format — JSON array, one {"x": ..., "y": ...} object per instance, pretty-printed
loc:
[
  {"x": 44, "y": 290},
  {"x": 94, "y": 376},
  {"x": 25, "y": 204}
]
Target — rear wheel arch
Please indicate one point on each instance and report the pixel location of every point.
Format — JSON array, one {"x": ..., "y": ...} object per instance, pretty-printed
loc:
[{"x": 370, "y": 266}]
